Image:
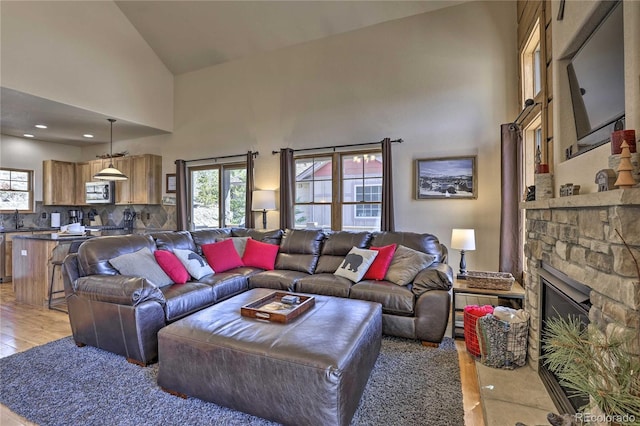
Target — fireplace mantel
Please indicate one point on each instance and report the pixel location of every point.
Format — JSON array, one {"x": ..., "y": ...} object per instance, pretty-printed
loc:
[
  {"x": 578, "y": 236},
  {"x": 616, "y": 197}
]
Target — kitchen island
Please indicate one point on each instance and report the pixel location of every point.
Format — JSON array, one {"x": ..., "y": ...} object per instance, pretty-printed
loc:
[
  {"x": 32, "y": 267},
  {"x": 32, "y": 257}
]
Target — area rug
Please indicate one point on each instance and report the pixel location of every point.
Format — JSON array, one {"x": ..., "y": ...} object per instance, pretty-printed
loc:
[{"x": 61, "y": 384}]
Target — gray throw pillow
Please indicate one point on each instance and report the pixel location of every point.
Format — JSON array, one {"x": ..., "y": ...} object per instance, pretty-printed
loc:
[
  {"x": 406, "y": 264},
  {"x": 356, "y": 263},
  {"x": 141, "y": 263},
  {"x": 193, "y": 263}
]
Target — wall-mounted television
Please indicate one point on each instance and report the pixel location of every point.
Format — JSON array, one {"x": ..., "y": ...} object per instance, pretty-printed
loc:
[{"x": 596, "y": 81}]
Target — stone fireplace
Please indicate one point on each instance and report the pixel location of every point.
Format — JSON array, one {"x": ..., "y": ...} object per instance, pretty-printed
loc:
[{"x": 576, "y": 237}]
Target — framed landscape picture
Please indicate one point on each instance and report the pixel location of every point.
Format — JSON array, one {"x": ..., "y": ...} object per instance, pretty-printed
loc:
[{"x": 448, "y": 177}]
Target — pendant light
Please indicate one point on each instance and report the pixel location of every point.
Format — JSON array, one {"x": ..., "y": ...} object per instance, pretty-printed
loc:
[{"x": 110, "y": 173}]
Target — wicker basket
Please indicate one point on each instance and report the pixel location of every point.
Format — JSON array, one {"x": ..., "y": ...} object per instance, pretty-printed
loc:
[{"x": 490, "y": 280}]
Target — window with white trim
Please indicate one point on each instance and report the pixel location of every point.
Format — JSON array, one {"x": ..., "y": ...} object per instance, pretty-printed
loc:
[{"x": 16, "y": 190}]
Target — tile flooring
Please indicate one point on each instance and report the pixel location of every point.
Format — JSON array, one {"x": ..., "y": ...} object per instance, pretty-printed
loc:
[{"x": 511, "y": 396}]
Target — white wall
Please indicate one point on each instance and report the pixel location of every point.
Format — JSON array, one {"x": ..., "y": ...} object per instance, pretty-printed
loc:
[
  {"x": 581, "y": 170},
  {"x": 21, "y": 153},
  {"x": 442, "y": 81},
  {"x": 85, "y": 54}
]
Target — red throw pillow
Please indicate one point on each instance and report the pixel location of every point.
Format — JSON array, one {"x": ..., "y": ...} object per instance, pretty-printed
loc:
[
  {"x": 260, "y": 255},
  {"x": 171, "y": 266},
  {"x": 378, "y": 268},
  {"x": 222, "y": 255}
]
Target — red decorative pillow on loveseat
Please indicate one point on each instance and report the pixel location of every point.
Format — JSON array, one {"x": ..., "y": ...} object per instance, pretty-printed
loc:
[
  {"x": 171, "y": 266},
  {"x": 380, "y": 265},
  {"x": 222, "y": 256},
  {"x": 260, "y": 255}
]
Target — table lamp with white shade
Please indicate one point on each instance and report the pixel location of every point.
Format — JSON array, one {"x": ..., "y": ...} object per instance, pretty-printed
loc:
[
  {"x": 263, "y": 200},
  {"x": 463, "y": 240}
]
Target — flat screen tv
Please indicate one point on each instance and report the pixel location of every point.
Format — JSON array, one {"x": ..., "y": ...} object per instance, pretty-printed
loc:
[{"x": 596, "y": 81}]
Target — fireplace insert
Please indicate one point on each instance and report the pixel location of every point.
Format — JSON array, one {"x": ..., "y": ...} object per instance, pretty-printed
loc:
[{"x": 561, "y": 297}]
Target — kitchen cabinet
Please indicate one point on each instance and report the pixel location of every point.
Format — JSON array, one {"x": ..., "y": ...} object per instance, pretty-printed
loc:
[
  {"x": 83, "y": 175},
  {"x": 58, "y": 183},
  {"x": 64, "y": 182},
  {"x": 144, "y": 185}
]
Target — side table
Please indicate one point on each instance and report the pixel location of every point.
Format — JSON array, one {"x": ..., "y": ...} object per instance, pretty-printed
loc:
[{"x": 460, "y": 287}]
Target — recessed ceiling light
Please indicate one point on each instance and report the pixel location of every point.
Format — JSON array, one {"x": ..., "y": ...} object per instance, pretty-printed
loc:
[
  {"x": 87, "y": 135},
  {"x": 41, "y": 126},
  {"x": 28, "y": 135}
]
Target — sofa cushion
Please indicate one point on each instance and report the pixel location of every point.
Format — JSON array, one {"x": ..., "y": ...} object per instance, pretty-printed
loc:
[
  {"x": 271, "y": 236},
  {"x": 194, "y": 263},
  {"x": 327, "y": 284},
  {"x": 141, "y": 263},
  {"x": 299, "y": 250},
  {"x": 184, "y": 299},
  {"x": 172, "y": 266},
  {"x": 172, "y": 240},
  {"x": 276, "y": 279},
  {"x": 208, "y": 236},
  {"x": 222, "y": 255},
  {"x": 356, "y": 263},
  {"x": 395, "y": 299},
  {"x": 228, "y": 284},
  {"x": 380, "y": 265},
  {"x": 406, "y": 264},
  {"x": 95, "y": 253},
  {"x": 336, "y": 246},
  {"x": 426, "y": 243},
  {"x": 260, "y": 255}
]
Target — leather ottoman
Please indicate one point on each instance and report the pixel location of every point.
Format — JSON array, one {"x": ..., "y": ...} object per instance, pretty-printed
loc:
[{"x": 310, "y": 371}]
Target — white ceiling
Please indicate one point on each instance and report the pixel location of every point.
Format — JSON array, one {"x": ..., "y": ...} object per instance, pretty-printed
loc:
[{"x": 190, "y": 35}]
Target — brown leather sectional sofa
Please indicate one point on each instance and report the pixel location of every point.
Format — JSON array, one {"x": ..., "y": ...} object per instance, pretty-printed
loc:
[{"x": 123, "y": 314}]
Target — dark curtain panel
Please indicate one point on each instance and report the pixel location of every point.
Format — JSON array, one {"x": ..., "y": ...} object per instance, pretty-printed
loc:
[
  {"x": 287, "y": 188},
  {"x": 511, "y": 256},
  {"x": 182, "y": 212},
  {"x": 249, "y": 219},
  {"x": 387, "y": 221}
]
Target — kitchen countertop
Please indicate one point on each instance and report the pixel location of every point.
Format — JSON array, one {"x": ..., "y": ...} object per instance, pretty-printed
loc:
[
  {"x": 26, "y": 229},
  {"x": 89, "y": 234}
]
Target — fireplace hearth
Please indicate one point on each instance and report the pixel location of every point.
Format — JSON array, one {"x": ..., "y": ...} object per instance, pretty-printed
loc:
[{"x": 561, "y": 297}]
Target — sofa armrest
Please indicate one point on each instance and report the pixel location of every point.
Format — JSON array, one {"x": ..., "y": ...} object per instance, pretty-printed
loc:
[
  {"x": 118, "y": 289},
  {"x": 438, "y": 276}
]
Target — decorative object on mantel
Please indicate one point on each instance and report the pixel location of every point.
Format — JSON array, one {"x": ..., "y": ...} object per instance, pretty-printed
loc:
[
  {"x": 530, "y": 194},
  {"x": 606, "y": 179},
  {"x": 625, "y": 178},
  {"x": 619, "y": 136},
  {"x": 542, "y": 168},
  {"x": 569, "y": 189},
  {"x": 544, "y": 185}
]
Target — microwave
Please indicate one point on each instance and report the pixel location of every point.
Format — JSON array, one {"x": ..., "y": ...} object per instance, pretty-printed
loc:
[{"x": 99, "y": 192}]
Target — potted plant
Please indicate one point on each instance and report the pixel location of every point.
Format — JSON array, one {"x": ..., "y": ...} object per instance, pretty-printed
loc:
[{"x": 595, "y": 364}]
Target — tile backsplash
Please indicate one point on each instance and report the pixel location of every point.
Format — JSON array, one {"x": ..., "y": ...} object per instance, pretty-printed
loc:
[{"x": 147, "y": 216}]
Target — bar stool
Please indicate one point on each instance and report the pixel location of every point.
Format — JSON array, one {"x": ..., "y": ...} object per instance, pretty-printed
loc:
[{"x": 73, "y": 248}]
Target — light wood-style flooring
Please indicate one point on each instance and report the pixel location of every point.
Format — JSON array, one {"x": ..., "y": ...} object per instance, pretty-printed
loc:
[{"x": 23, "y": 327}]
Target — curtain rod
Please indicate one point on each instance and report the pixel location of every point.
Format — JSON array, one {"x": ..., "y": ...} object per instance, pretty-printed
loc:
[
  {"x": 255, "y": 154},
  {"x": 527, "y": 107},
  {"x": 337, "y": 146}
]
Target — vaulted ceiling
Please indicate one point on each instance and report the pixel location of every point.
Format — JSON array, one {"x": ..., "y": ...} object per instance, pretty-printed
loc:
[{"x": 190, "y": 35}]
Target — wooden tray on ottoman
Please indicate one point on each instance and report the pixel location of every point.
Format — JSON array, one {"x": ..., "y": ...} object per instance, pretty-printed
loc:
[
  {"x": 489, "y": 280},
  {"x": 271, "y": 308}
]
